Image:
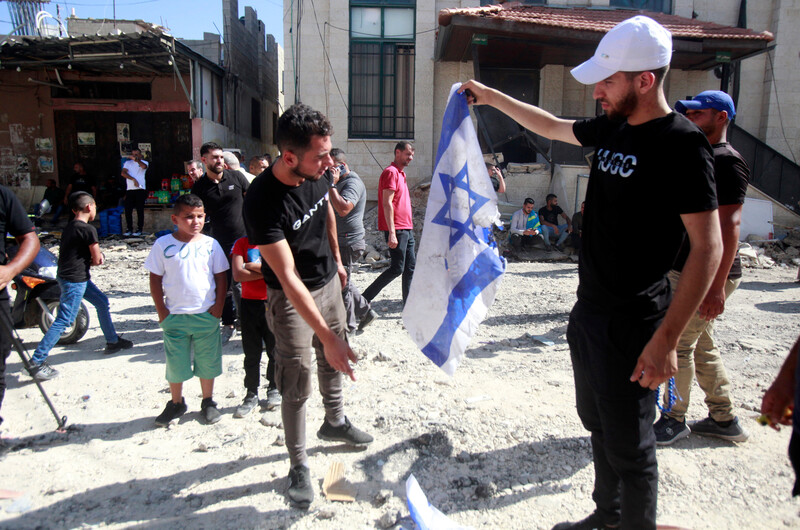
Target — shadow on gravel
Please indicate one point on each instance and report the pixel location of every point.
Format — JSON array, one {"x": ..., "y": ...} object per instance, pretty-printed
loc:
[
  {"x": 526, "y": 318},
  {"x": 550, "y": 275},
  {"x": 146, "y": 309},
  {"x": 140, "y": 499},
  {"x": 768, "y": 286},
  {"x": 481, "y": 480},
  {"x": 780, "y": 307}
]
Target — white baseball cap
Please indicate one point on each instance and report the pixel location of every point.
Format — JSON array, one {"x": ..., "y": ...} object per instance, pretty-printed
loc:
[{"x": 634, "y": 45}]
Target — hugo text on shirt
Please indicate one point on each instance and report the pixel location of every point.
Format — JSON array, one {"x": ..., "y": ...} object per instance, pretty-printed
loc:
[{"x": 615, "y": 163}]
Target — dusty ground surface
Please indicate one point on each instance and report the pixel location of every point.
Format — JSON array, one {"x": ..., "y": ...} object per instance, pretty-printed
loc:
[{"x": 498, "y": 446}]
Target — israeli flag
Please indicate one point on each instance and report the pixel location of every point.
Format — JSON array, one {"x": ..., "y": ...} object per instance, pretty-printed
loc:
[{"x": 458, "y": 266}]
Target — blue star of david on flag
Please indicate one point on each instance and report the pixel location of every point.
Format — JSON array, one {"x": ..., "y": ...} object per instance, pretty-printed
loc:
[
  {"x": 458, "y": 267},
  {"x": 475, "y": 202}
]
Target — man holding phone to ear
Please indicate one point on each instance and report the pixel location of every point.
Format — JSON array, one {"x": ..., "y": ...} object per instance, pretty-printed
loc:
[{"x": 348, "y": 196}]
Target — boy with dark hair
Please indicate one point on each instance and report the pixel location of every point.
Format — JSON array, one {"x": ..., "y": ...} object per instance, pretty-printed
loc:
[
  {"x": 246, "y": 266},
  {"x": 79, "y": 250},
  {"x": 188, "y": 285}
]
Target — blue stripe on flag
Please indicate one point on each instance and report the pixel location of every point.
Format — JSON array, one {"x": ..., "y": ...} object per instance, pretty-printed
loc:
[
  {"x": 457, "y": 111},
  {"x": 486, "y": 268}
]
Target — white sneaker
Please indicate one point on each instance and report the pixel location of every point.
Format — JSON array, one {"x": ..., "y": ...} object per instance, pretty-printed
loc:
[
  {"x": 127, "y": 234},
  {"x": 136, "y": 234}
]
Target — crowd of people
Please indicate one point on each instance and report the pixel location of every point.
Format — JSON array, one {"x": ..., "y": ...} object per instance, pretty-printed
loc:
[{"x": 274, "y": 248}]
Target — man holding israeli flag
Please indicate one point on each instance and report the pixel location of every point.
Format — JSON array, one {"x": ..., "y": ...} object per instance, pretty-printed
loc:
[{"x": 458, "y": 267}]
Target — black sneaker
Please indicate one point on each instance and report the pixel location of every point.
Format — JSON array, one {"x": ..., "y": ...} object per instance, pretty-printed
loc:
[
  {"x": 172, "y": 412},
  {"x": 367, "y": 320},
  {"x": 210, "y": 412},
  {"x": 727, "y": 430},
  {"x": 300, "y": 492},
  {"x": 669, "y": 430},
  {"x": 344, "y": 433},
  {"x": 593, "y": 522},
  {"x": 121, "y": 344},
  {"x": 250, "y": 402},
  {"x": 43, "y": 372}
]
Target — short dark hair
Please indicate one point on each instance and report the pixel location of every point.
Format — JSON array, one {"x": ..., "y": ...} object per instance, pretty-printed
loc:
[
  {"x": 79, "y": 200},
  {"x": 401, "y": 146},
  {"x": 198, "y": 163},
  {"x": 209, "y": 146},
  {"x": 338, "y": 155},
  {"x": 528, "y": 200},
  {"x": 550, "y": 196},
  {"x": 257, "y": 158},
  {"x": 136, "y": 149},
  {"x": 659, "y": 73},
  {"x": 297, "y": 125},
  {"x": 188, "y": 200}
]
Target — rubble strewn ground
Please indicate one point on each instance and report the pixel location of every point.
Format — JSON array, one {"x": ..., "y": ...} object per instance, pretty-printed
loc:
[{"x": 497, "y": 446}]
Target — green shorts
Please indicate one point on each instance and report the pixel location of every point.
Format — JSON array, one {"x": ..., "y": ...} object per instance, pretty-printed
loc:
[{"x": 200, "y": 332}]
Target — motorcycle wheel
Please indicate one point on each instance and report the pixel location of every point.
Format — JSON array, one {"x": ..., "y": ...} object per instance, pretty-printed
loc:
[{"x": 72, "y": 334}]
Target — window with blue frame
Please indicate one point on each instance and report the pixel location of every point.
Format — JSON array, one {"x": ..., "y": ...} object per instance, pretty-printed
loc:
[
  {"x": 382, "y": 50},
  {"x": 662, "y": 6}
]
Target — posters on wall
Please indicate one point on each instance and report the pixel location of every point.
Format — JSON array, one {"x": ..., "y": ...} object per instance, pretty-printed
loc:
[
  {"x": 45, "y": 164},
  {"x": 146, "y": 150},
  {"x": 125, "y": 149},
  {"x": 86, "y": 138},
  {"x": 21, "y": 180},
  {"x": 123, "y": 133},
  {"x": 15, "y": 133},
  {"x": 44, "y": 144}
]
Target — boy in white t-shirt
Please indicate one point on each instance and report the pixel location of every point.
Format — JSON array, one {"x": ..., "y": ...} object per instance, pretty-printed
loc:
[{"x": 188, "y": 285}]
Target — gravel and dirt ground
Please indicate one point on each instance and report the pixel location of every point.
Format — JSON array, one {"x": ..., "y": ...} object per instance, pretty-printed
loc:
[{"x": 497, "y": 446}]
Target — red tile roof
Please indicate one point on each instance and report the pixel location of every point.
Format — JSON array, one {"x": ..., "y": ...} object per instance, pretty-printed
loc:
[{"x": 600, "y": 20}]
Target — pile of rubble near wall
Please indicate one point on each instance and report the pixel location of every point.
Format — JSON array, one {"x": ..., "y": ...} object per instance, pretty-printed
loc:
[{"x": 761, "y": 253}]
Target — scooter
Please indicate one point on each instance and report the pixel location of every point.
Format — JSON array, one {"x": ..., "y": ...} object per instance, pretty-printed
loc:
[{"x": 37, "y": 297}]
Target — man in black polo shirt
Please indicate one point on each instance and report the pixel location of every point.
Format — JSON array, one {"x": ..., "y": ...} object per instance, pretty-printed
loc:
[
  {"x": 656, "y": 166},
  {"x": 289, "y": 217},
  {"x": 222, "y": 191},
  {"x": 14, "y": 221}
]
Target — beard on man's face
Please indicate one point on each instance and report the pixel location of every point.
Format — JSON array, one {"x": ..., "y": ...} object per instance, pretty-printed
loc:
[{"x": 620, "y": 111}]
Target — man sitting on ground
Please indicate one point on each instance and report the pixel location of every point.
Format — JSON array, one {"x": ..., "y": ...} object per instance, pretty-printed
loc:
[
  {"x": 549, "y": 219},
  {"x": 525, "y": 226}
]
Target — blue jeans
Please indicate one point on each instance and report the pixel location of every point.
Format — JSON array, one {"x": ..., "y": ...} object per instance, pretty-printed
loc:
[
  {"x": 404, "y": 259},
  {"x": 548, "y": 234},
  {"x": 71, "y": 295}
]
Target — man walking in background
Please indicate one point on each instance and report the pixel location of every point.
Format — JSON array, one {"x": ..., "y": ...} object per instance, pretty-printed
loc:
[
  {"x": 698, "y": 355},
  {"x": 396, "y": 220}
]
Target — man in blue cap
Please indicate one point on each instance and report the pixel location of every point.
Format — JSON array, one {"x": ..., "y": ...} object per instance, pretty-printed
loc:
[{"x": 711, "y": 111}]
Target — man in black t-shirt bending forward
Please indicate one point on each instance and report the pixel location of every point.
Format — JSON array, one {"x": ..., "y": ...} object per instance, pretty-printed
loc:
[
  {"x": 287, "y": 214},
  {"x": 656, "y": 166}
]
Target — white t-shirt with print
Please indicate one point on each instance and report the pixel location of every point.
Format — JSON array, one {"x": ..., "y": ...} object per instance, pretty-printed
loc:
[
  {"x": 137, "y": 172},
  {"x": 187, "y": 271}
]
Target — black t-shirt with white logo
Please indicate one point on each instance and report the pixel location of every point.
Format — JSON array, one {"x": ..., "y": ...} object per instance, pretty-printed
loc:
[
  {"x": 731, "y": 174},
  {"x": 223, "y": 202},
  {"x": 643, "y": 177},
  {"x": 274, "y": 211},
  {"x": 74, "y": 258}
]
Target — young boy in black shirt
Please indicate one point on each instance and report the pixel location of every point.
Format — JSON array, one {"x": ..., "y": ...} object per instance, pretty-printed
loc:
[{"x": 79, "y": 250}]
